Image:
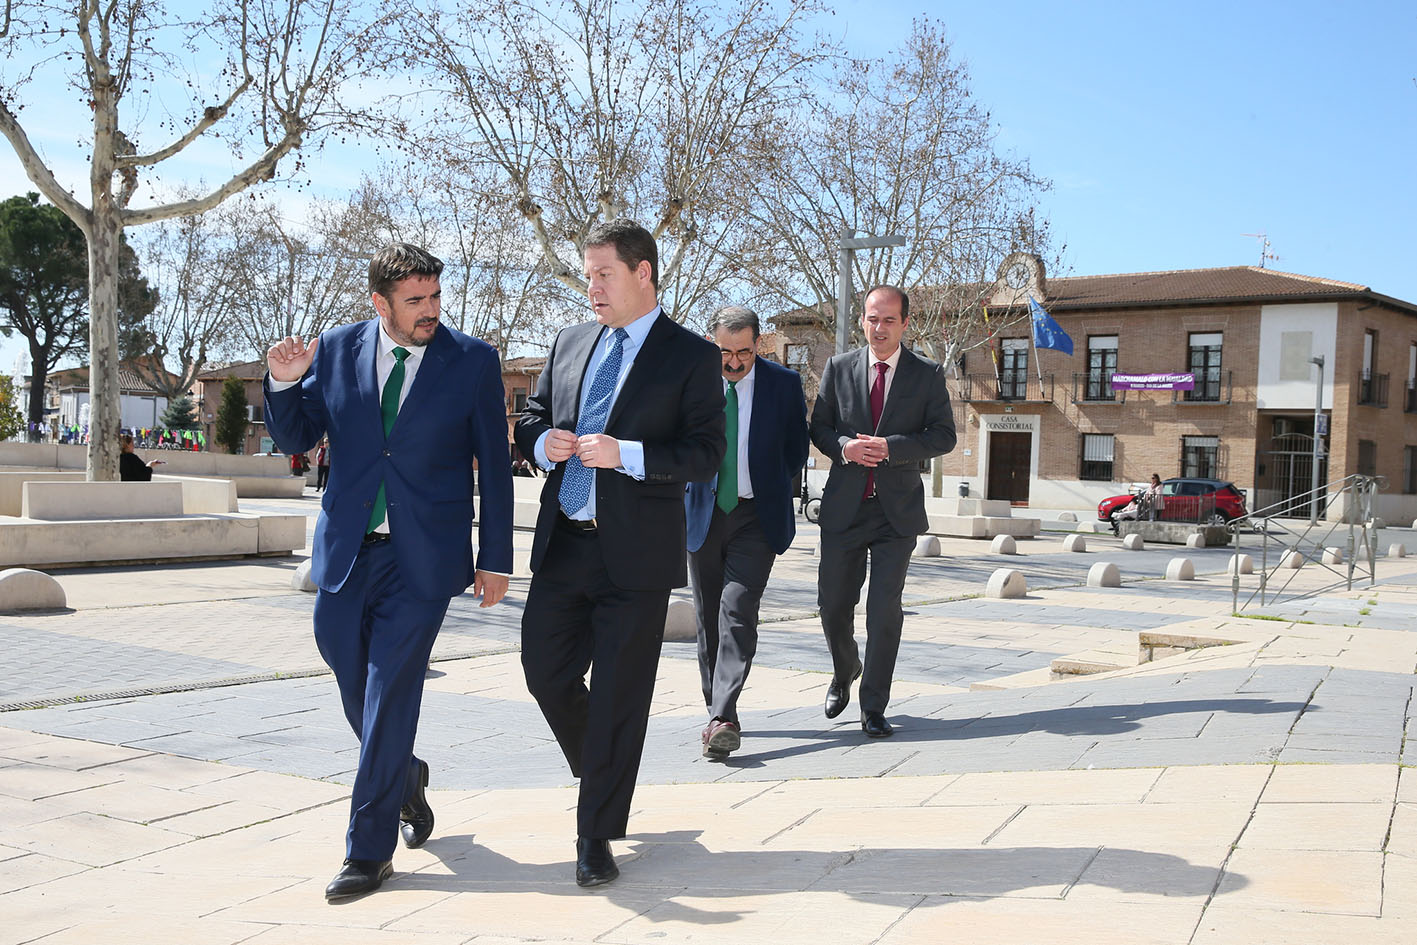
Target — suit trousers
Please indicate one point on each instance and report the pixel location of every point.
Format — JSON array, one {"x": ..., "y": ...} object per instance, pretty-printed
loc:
[
  {"x": 840, "y": 575},
  {"x": 576, "y": 620},
  {"x": 377, "y": 637},
  {"x": 729, "y": 573}
]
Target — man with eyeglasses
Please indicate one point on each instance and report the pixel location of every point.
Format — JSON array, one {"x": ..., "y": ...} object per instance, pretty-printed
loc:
[{"x": 742, "y": 519}]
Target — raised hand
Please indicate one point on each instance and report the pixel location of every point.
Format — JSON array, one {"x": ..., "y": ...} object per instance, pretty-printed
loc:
[{"x": 289, "y": 358}]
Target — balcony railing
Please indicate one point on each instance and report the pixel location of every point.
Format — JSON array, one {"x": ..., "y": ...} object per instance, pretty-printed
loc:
[
  {"x": 1212, "y": 387},
  {"x": 1095, "y": 387},
  {"x": 1007, "y": 386},
  {"x": 1372, "y": 389}
]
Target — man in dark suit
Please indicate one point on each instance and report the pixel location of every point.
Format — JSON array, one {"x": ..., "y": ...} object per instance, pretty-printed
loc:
[
  {"x": 628, "y": 410},
  {"x": 410, "y": 405},
  {"x": 739, "y": 521},
  {"x": 880, "y": 411}
]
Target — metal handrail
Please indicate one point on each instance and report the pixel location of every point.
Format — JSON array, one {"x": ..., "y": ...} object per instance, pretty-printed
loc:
[{"x": 1360, "y": 490}]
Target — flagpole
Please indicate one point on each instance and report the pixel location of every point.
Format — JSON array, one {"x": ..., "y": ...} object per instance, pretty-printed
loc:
[{"x": 993, "y": 353}]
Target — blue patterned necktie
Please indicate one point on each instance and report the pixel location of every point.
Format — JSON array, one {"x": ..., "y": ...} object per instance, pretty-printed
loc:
[{"x": 576, "y": 481}]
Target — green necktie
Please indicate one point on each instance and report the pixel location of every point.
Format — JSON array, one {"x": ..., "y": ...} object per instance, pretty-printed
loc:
[
  {"x": 728, "y": 469},
  {"x": 389, "y": 410}
]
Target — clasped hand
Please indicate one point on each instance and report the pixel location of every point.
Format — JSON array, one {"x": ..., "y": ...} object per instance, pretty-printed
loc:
[
  {"x": 595, "y": 450},
  {"x": 867, "y": 450}
]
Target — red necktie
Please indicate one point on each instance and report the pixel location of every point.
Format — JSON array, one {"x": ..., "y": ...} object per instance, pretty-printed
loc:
[{"x": 878, "y": 405}]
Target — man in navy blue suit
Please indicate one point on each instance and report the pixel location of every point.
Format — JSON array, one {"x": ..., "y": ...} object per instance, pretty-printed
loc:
[
  {"x": 410, "y": 405},
  {"x": 742, "y": 518}
]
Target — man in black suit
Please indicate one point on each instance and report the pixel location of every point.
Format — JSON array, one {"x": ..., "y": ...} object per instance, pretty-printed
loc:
[
  {"x": 880, "y": 411},
  {"x": 742, "y": 519},
  {"x": 627, "y": 411}
]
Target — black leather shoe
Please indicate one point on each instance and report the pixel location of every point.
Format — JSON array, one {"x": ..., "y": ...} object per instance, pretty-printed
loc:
[
  {"x": 416, "y": 817},
  {"x": 594, "y": 864},
  {"x": 839, "y": 695},
  {"x": 874, "y": 724},
  {"x": 357, "y": 878}
]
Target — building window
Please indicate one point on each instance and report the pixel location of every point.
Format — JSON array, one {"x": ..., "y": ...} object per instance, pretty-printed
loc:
[
  {"x": 1013, "y": 369},
  {"x": 1097, "y": 453},
  {"x": 1200, "y": 457},
  {"x": 1204, "y": 363},
  {"x": 1409, "y": 470},
  {"x": 518, "y": 401},
  {"x": 797, "y": 357},
  {"x": 1410, "y": 400},
  {"x": 1101, "y": 365},
  {"x": 1367, "y": 458}
]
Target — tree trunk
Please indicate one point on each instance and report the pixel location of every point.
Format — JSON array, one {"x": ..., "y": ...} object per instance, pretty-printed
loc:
[
  {"x": 39, "y": 376},
  {"x": 104, "y": 413}
]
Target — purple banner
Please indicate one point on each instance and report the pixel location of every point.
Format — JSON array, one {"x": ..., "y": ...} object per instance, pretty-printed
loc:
[{"x": 1153, "y": 382}]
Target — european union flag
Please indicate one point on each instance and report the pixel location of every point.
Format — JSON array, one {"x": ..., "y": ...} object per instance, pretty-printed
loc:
[{"x": 1046, "y": 332}]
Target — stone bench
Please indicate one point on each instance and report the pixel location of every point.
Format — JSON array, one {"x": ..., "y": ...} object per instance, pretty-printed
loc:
[
  {"x": 86, "y": 501},
  {"x": 46, "y": 544},
  {"x": 1175, "y": 533}
]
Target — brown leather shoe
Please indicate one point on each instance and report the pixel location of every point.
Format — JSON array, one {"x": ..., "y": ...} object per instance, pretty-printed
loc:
[{"x": 721, "y": 738}]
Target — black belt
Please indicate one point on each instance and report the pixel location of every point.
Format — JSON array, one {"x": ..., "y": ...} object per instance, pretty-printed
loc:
[
  {"x": 576, "y": 524},
  {"x": 374, "y": 538}
]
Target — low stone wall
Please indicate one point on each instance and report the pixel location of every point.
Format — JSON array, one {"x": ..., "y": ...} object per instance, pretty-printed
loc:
[
  {"x": 255, "y": 476},
  {"x": 84, "y": 501},
  {"x": 33, "y": 544},
  {"x": 1175, "y": 533}
]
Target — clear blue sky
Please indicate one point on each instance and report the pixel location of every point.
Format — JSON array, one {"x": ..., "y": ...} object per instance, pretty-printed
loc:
[{"x": 1169, "y": 131}]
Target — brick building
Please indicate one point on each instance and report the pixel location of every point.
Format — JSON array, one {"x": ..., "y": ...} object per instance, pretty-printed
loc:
[
  {"x": 1049, "y": 429},
  {"x": 209, "y": 384}
]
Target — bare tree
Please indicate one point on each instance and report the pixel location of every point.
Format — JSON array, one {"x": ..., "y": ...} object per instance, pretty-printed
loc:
[
  {"x": 593, "y": 109},
  {"x": 189, "y": 262},
  {"x": 494, "y": 286},
  {"x": 895, "y": 147},
  {"x": 258, "y": 76},
  {"x": 298, "y": 276}
]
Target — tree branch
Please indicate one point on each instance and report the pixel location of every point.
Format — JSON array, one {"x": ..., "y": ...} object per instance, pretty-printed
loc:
[
  {"x": 210, "y": 116},
  {"x": 263, "y": 168},
  {"x": 39, "y": 172}
]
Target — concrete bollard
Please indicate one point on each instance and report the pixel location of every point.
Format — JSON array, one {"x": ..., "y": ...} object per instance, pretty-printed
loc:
[
  {"x": 26, "y": 589},
  {"x": 1003, "y": 545},
  {"x": 1180, "y": 569},
  {"x": 681, "y": 625},
  {"x": 1104, "y": 574},
  {"x": 927, "y": 546},
  {"x": 1007, "y": 583},
  {"x": 1195, "y": 541},
  {"x": 1133, "y": 542},
  {"x": 1089, "y": 528},
  {"x": 1067, "y": 517},
  {"x": 1075, "y": 543},
  {"x": 1333, "y": 556},
  {"x": 1292, "y": 560},
  {"x": 300, "y": 580},
  {"x": 1397, "y": 551},
  {"x": 1240, "y": 564}
]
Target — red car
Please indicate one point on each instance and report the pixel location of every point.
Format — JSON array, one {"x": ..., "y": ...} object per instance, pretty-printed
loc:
[{"x": 1213, "y": 501}]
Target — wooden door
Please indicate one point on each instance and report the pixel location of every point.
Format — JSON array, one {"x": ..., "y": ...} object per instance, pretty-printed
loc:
[{"x": 1009, "y": 455}]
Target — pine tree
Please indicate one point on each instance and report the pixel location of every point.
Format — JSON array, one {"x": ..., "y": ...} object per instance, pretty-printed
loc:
[
  {"x": 181, "y": 414},
  {"x": 231, "y": 415}
]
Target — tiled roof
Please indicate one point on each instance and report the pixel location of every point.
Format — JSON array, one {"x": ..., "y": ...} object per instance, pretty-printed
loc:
[
  {"x": 245, "y": 370},
  {"x": 1186, "y": 286},
  {"x": 129, "y": 382},
  {"x": 523, "y": 365}
]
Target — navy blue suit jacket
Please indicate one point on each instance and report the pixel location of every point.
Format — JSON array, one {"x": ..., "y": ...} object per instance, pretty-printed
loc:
[
  {"x": 777, "y": 451},
  {"x": 454, "y": 413}
]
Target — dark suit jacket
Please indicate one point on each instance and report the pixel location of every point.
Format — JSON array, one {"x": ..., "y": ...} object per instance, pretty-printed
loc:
[
  {"x": 454, "y": 414},
  {"x": 917, "y": 424},
  {"x": 672, "y": 401},
  {"x": 777, "y": 451}
]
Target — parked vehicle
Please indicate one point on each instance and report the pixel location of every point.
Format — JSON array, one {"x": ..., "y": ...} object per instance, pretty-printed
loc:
[{"x": 1211, "y": 501}]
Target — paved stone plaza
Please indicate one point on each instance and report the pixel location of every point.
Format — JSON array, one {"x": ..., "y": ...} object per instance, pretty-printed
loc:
[{"x": 174, "y": 769}]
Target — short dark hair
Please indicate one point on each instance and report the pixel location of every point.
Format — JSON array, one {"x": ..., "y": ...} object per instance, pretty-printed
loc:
[
  {"x": 633, "y": 245},
  {"x": 900, "y": 293},
  {"x": 734, "y": 318},
  {"x": 397, "y": 262}
]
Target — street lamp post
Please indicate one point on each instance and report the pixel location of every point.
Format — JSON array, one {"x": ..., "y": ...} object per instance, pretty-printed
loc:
[
  {"x": 850, "y": 242},
  {"x": 1318, "y": 443}
]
